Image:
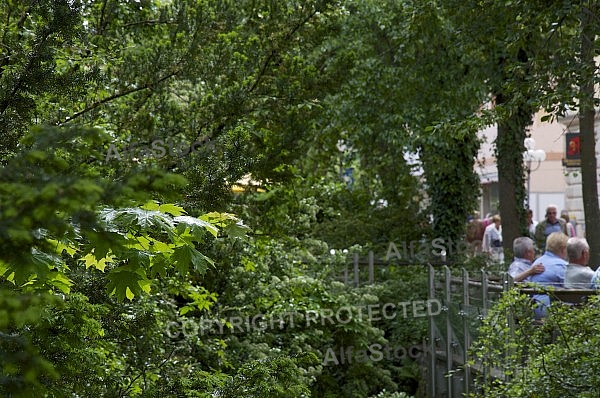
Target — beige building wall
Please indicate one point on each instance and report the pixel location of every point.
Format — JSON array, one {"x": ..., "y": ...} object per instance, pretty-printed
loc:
[
  {"x": 547, "y": 180},
  {"x": 573, "y": 195}
]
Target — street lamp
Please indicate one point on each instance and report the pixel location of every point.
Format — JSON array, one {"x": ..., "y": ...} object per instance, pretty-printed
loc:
[{"x": 529, "y": 156}]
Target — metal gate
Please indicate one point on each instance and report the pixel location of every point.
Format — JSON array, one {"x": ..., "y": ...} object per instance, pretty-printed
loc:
[{"x": 465, "y": 300}]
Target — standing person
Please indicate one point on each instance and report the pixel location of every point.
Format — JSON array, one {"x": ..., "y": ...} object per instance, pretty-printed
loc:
[
  {"x": 475, "y": 230},
  {"x": 521, "y": 269},
  {"x": 531, "y": 224},
  {"x": 578, "y": 275},
  {"x": 555, "y": 265},
  {"x": 492, "y": 239},
  {"x": 550, "y": 224},
  {"x": 564, "y": 214}
]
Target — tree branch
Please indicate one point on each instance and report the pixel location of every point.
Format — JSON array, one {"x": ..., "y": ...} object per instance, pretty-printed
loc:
[
  {"x": 149, "y": 22},
  {"x": 275, "y": 50},
  {"x": 113, "y": 97},
  {"x": 30, "y": 63}
]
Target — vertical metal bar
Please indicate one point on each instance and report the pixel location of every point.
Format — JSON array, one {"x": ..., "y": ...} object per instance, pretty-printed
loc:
[
  {"x": 449, "y": 358},
  {"x": 346, "y": 272},
  {"x": 511, "y": 327},
  {"x": 484, "y": 305},
  {"x": 371, "y": 267},
  {"x": 509, "y": 282},
  {"x": 466, "y": 308},
  {"x": 432, "y": 352},
  {"x": 356, "y": 282},
  {"x": 484, "y": 292}
]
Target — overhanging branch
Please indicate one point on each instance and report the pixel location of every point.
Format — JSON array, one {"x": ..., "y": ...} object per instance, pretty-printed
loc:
[{"x": 115, "y": 96}]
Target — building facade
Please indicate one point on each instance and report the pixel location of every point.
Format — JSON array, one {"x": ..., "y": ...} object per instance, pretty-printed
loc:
[
  {"x": 573, "y": 192},
  {"x": 547, "y": 182}
]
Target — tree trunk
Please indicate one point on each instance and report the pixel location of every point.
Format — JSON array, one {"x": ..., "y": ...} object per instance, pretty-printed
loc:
[
  {"x": 588, "y": 140},
  {"x": 509, "y": 152}
]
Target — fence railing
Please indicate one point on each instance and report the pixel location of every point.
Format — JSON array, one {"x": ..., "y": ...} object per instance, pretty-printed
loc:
[
  {"x": 466, "y": 300},
  {"x": 353, "y": 270}
]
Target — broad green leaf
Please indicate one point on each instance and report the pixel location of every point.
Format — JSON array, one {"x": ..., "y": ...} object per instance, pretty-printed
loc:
[
  {"x": 4, "y": 268},
  {"x": 197, "y": 223},
  {"x": 145, "y": 285},
  {"x": 150, "y": 205},
  {"x": 7, "y": 272},
  {"x": 132, "y": 217},
  {"x": 127, "y": 282},
  {"x": 219, "y": 219},
  {"x": 200, "y": 260},
  {"x": 148, "y": 244},
  {"x": 102, "y": 242},
  {"x": 60, "y": 281},
  {"x": 91, "y": 260},
  {"x": 171, "y": 209},
  {"x": 159, "y": 266},
  {"x": 185, "y": 309},
  {"x": 182, "y": 256},
  {"x": 186, "y": 255},
  {"x": 60, "y": 247},
  {"x": 49, "y": 260},
  {"x": 237, "y": 230}
]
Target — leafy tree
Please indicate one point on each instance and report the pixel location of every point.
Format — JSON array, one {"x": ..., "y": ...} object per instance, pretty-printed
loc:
[
  {"x": 34, "y": 35},
  {"x": 108, "y": 254},
  {"x": 587, "y": 100},
  {"x": 387, "y": 109},
  {"x": 57, "y": 223}
]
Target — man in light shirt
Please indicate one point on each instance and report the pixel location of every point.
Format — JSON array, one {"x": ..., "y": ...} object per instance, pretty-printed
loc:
[
  {"x": 555, "y": 265},
  {"x": 578, "y": 275},
  {"x": 521, "y": 269}
]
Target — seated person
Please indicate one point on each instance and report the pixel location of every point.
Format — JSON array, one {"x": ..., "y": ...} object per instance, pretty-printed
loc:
[
  {"x": 596, "y": 279},
  {"x": 555, "y": 266},
  {"x": 578, "y": 275},
  {"x": 521, "y": 268}
]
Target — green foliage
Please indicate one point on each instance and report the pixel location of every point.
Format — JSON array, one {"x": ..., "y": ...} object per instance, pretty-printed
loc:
[
  {"x": 60, "y": 215},
  {"x": 405, "y": 77},
  {"x": 65, "y": 240},
  {"x": 282, "y": 283},
  {"x": 33, "y": 36},
  {"x": 104, "y": 260},
  {"x": 529, "y": 54},
  {"x": 453, "y": 187},
  {"x": 556, "y": 358},
  {"x": 273, "y": 377},
  {"x": 277, "y": 377},
  {"x": 385, "y": 394},
  {"x": 21, "y": 366}
]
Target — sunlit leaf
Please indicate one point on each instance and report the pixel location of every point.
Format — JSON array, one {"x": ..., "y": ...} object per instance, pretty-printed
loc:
[
  {"x": 196, "y": 224},
  {"x": 91, "y": 261},
  {"x": 171, "y": 209}
]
